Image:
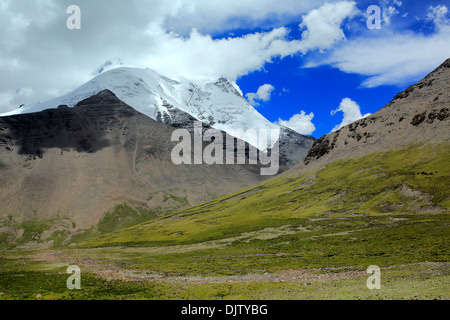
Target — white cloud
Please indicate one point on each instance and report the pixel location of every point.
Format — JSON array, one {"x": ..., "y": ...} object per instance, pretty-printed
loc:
[
  {"x": 438, "y": 15},
  {"x": 212, "y": 16},
  {"x": 323, "y": 25},
  {"x": 388, "y": 13},
  {"x": 351, "y": 111},
  {"x": 232, "y": 57},
  {"x": 383, "y": 59},
  {"x": 264, "y": 94},
  {"x": 202, "y": 56},
  {"x": 390, "y": 10},
  {"x": 392, "y": 58},
  {"x": 283, "y": 91},
  {"x": 302, "y": 123}
]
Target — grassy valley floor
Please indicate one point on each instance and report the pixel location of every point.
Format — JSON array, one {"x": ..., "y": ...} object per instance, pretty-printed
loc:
[
  {"x": 319, "y": 259},
  {"x": 298, "y": 236}
]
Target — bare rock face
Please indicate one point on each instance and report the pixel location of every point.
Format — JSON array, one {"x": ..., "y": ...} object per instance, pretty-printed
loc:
[
  {"x": 418, "y": 114},
  {"x": 293, "y": 146}
]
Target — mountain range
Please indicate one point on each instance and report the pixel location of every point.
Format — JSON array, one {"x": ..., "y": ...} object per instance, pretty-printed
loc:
[{"x": 98, "y": 159}]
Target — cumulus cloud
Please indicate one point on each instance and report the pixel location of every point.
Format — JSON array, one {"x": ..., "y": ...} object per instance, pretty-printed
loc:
[
  {"x": 264, "y": 94},
  {"x": 351, "y": 111},
  {"x": 302, "y": 123},
  {"x": 323, "y": 25}
]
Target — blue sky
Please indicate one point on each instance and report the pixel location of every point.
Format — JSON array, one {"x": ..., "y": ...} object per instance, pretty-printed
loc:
[
  {"x": 321, "y": 89},
  {"x": 312, "y": 65},
  {"x": 318, "y": 90}
]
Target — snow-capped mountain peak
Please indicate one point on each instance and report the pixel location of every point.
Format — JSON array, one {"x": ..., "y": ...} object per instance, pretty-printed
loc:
[{"x": 218, "y": 103}]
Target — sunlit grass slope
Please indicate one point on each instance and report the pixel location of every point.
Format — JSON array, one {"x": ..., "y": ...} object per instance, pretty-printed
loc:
[{"x": 411, "y": 180}]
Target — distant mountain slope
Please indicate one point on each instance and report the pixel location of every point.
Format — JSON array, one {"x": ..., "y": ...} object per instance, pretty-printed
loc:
[
  {"x": 69, "y": 166},
  {"x": 218, "y": 103}
]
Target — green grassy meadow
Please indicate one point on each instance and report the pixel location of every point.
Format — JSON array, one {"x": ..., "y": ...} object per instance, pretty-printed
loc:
[{"x": 309, "y": 236}]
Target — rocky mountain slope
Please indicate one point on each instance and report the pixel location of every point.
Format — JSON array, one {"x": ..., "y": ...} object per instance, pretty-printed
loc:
[
  {"x": 420, "y": 113},
  {"x": 68, "y": 166}
]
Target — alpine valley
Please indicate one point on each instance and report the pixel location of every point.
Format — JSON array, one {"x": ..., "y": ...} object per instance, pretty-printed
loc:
[{"x": 87, "y": 179}]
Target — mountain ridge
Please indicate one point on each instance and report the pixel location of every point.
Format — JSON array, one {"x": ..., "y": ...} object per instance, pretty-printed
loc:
[{"x": 419, "y": 113}]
